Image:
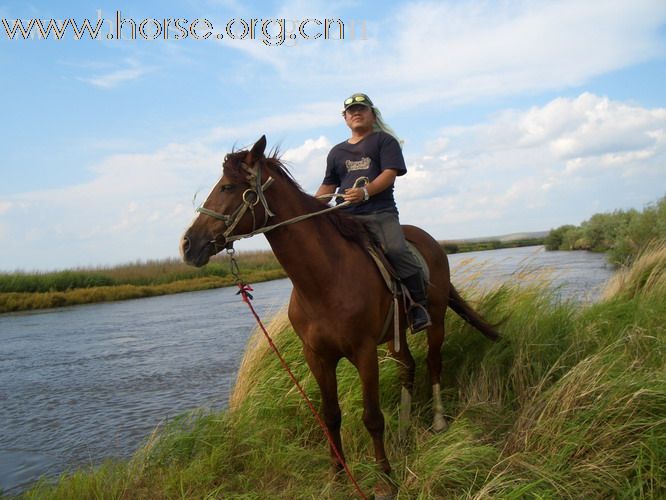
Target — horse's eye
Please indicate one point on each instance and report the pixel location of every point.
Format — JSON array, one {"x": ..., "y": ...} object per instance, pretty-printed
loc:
[{"x": 226, "y": 188}]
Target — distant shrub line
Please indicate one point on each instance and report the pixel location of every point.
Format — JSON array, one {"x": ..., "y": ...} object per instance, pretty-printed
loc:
[
  {"x": 452, "y": 247},
  {"x": 622, "y": 234}
]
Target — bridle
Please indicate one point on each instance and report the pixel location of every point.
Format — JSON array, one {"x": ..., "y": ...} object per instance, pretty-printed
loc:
[{"x": 250, "y": 199}]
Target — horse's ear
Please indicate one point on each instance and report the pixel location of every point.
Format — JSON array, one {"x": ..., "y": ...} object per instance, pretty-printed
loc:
[{"x": 258, "y": 149}]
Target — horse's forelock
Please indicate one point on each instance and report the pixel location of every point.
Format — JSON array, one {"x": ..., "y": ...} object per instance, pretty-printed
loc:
[{"x": 232, "y": 166}]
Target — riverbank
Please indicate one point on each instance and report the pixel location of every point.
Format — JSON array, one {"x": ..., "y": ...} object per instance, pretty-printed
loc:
[
  {"x": 569, "y": 404},
  {"x": 29, "y": 291},
  {"x": 14, "y": 302}
]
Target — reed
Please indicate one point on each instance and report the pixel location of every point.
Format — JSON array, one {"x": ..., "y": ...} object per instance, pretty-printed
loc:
[
  {"x": 25, "y": 291},
  {"x": 570, "y": 404}
]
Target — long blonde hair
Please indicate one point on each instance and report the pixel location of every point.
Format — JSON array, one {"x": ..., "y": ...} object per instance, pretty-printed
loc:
[{"x": 380, "y": 124}]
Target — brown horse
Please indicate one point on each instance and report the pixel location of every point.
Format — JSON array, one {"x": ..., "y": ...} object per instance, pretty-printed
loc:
[{"x": 339, "y": 303}]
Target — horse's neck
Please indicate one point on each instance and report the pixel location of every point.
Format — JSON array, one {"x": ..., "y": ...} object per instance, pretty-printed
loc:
[{"x": 310, "y": 251}]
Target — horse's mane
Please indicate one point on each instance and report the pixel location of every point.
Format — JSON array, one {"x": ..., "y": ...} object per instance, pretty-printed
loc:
[{"x": 350, "y": 228}]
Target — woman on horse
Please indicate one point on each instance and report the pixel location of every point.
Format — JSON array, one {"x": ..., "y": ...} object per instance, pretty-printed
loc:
[{"x": 374, "y": 152}]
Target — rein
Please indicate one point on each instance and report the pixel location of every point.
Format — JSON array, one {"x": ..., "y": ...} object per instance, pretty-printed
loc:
[
  {"x": 255, "y": 195},
  {"x": 244, "y": 290}
]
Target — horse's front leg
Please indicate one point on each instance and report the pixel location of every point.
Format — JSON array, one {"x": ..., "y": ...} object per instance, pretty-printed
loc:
[
  {"x": 323, "y": 370},
  {"x": 367, "y": 365}
]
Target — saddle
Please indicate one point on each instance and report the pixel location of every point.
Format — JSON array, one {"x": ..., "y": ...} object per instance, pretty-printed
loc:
[{"x": 396, "y": 287}]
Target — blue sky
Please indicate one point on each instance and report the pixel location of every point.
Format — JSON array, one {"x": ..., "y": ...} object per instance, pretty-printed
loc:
[{"x": 517, "y": 116}]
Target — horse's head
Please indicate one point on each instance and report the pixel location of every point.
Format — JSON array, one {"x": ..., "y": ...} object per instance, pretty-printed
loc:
[{"x": 235, "y": 206}]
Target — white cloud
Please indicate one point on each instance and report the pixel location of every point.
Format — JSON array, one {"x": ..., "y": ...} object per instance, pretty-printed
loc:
[
  {"x": 115, "y": 217},
  {"x": 469, "y": 49},
  {"x": 450, "y": 52},
  {"x": 5, "y": 206},
  {"x": 305, "y": 117},
  {"x": 509, "y": 174},
  {"x": 136, "y": 207},
  {"x": 539, "y": 168},
  {"x": 309, "y": 162},
  {"x": 115, "y": 77}
]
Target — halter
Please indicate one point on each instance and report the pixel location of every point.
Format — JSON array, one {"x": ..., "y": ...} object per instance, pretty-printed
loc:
[{"x": 251, "y": 198}]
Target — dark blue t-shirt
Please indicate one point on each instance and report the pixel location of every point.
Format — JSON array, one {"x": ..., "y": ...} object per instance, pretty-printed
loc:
[{"x": 347, "y": 162}]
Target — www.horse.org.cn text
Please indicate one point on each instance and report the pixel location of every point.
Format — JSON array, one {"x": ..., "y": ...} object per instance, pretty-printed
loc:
[{"x": 270, "y": 32}]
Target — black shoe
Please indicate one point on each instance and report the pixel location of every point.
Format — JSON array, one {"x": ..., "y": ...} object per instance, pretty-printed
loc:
[{"x": 419, "y": 318}]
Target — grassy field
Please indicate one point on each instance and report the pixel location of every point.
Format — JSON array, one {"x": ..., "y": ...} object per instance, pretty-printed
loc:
[
  {"x": 26, "y": 291},
  {"x": 570, "y": 404}
]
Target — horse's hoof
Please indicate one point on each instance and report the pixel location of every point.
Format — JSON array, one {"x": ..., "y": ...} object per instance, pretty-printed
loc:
[
  {"x": 337, "y": 473},
  {"x": 403, "y": 436},
  {"x": 439, "y": 424},
  {"x": 385, "y": 491}
]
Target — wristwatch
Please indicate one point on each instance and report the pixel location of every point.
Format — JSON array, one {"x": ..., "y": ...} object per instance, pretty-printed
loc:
[{"x": 366, "y": 195}]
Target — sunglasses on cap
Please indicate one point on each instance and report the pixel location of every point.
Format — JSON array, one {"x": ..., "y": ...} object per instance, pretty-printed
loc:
[
  {"x": 358, "y": 98},
  {"x": 362, "y": 99}
]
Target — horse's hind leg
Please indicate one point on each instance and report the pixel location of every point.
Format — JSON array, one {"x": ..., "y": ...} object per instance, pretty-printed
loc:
[
  {"x": 324, "y": 372},
  {"x": 407, "y": 369},
  {"x": 435, "y": 340}
]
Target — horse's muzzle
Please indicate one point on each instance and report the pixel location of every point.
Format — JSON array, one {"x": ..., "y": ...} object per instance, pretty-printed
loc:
[
  {"x": 193, "y": 254},
  {"x": 199, "y": 254}
]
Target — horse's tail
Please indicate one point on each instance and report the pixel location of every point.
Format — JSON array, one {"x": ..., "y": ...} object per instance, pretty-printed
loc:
[{"x": 465, "y": 311}]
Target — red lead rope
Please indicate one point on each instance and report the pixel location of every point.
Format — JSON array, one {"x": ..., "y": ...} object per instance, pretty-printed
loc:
[{"x": 244, "y": 290}]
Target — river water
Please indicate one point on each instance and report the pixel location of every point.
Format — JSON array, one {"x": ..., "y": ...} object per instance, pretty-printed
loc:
[{"x": 85, "y": 383}]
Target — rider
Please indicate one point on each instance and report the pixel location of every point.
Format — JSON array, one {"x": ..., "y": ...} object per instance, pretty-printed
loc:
[{"x": 373, "y": 151}]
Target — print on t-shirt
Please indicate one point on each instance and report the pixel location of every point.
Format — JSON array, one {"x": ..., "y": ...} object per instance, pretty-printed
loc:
[{"x": 362, "y": 164}]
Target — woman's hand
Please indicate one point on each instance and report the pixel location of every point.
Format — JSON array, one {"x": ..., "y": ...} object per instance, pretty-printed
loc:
[{"x": 354, "y": 195}]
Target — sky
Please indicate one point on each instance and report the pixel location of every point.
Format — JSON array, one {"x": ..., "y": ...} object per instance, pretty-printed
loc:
[{"x": 517, "y": 116}]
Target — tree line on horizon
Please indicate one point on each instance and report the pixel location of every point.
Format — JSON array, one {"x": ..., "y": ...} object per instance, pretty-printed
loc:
[{"x": 622, "y": 234}]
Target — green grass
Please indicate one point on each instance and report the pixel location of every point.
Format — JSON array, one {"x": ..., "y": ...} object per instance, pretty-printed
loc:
[
  {"x": 570, "y": 404},
  {"x": 25, "y": 291}
]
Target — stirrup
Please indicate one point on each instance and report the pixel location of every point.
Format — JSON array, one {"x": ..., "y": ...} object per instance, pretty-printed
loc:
[{"x": 418, "y": 324}]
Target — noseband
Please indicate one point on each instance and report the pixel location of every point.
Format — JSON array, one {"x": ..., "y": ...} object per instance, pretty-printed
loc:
[{"x": 251, "y": 198}]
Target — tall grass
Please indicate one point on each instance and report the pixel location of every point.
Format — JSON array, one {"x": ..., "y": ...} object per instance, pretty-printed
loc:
[
  {"x": 570, "y": 404},
  {"x": 23, "y": 291},
  {"x": 152, "y": 272}
]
